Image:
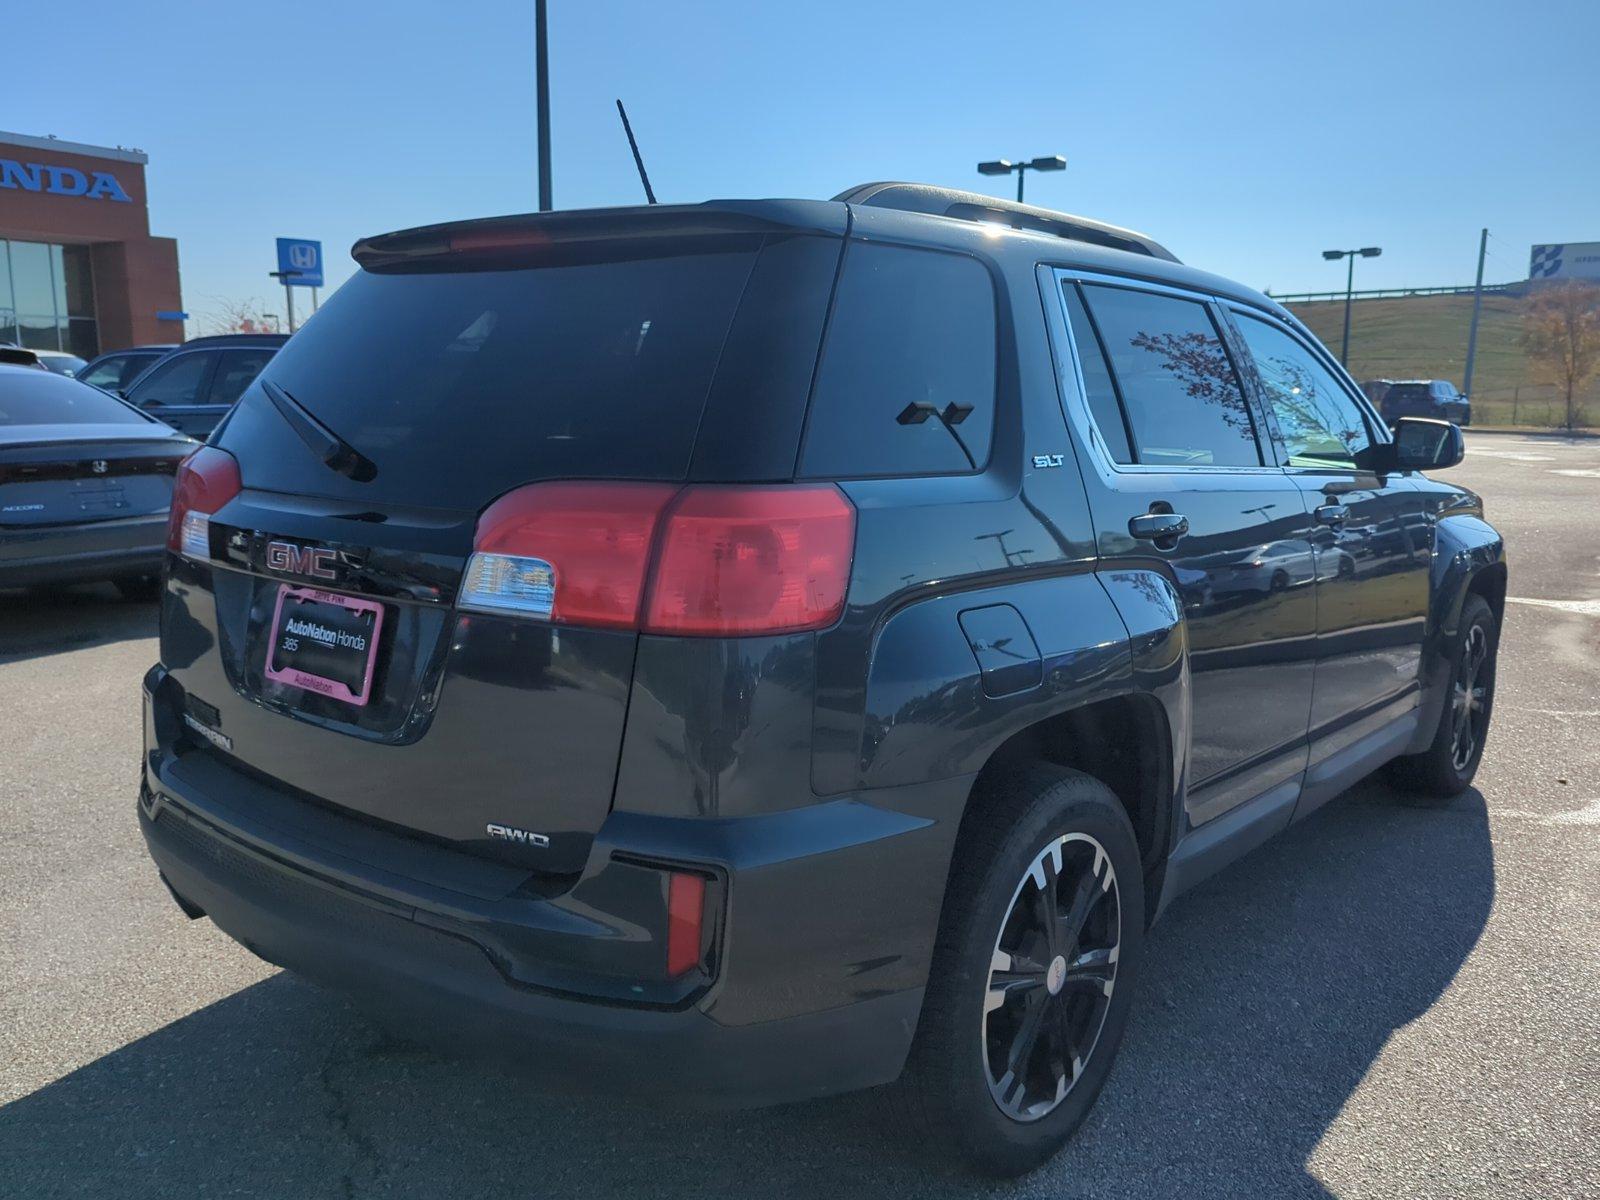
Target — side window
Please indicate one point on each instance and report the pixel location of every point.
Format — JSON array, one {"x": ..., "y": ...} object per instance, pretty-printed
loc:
[
  {"x": 1181, "y": 394},
  {"x": 175, "y": 383},
  {"x": 235, "y": 373},
  {"x": 1101, "y": 388},
  {"x": 1322, "y": 426},
  {"x": 107, "y": 374},
  {"x": 907, "y": 380}
]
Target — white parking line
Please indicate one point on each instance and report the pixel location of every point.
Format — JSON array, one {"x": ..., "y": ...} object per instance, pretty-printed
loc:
[
  {"x": 1583, "y": 608},
  {"x": 1581, "y": 472},
  {"x": 1479, "y": 452}
]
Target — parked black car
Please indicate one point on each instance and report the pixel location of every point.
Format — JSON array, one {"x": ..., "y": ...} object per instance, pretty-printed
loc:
[
  {"x": 770, "y": 648},
  {"x": 115, "y": 371},
  {"x": 1436, "y": 398},
  {"x": 193, "y": 387},
  {"x": 85, "y": 484}
]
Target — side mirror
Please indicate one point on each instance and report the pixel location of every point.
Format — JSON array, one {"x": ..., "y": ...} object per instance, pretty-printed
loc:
[{"x": 1423, "y": 444}]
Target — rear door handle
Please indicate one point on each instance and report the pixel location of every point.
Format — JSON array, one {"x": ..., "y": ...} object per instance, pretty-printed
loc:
[
  {"x": 1333, "y": 514},
  {"x": 1164, "y": 529}
]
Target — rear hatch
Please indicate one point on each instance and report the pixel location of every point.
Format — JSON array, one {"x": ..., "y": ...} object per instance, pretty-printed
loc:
[
  {"x": 72, "y": 455},
  {"x": 462, "y": 363},
  {"x": 1409, "y": 400},
  {"x": 84, "y": 474}
]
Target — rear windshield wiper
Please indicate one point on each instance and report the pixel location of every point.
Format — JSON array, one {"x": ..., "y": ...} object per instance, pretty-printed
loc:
[{"x": 335, "y": 453}]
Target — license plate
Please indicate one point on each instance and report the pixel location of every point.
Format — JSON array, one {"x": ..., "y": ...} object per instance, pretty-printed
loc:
[{"x": 324, "y": 642}]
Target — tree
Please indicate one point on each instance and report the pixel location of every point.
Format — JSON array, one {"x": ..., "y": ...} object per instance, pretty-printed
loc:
[
  {"x": 239, "y": 316},
  {"x": 1561, "y": 334}
]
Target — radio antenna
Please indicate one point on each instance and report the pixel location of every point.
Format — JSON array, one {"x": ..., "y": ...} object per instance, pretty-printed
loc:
[{"x": 649, "y": 195}]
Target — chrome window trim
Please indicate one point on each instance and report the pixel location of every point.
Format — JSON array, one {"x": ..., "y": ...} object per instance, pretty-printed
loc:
[{"x": 1074, "y": 395}]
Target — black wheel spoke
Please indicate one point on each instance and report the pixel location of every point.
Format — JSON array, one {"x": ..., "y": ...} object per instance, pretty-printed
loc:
[
  {"x": 1092, "y": 971},
  {"x": 1012, "y": 975},
  {"x": 1070, "y": 1056},
  {"x": 1046, "y": 904},
  {"x": 1088, "y": 890}
]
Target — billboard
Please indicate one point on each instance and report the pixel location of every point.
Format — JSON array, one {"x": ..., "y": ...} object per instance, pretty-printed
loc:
[{"x": 1567, "y": 260}]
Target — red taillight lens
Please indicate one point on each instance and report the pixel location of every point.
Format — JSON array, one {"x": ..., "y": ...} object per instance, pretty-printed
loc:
[
  {"x": 728, "y": 561},
  {"x": 569, "y": 552},
  {"x": 686, "y": 908},
  {"x": 752, "y": 560},
  {"x": 205, "y": 481}
]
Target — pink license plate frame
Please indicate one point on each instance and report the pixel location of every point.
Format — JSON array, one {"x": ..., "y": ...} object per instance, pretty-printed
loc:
[{"x": 334, "y": 688}]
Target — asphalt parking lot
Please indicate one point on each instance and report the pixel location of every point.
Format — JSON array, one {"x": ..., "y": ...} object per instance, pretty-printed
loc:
[{"x": 1394, "y": 999}]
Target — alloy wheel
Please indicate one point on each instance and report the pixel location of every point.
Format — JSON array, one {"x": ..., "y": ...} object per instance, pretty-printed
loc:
[
  {"x": 1051, "y": 977},
  {"x": 1469, "y": 701}
]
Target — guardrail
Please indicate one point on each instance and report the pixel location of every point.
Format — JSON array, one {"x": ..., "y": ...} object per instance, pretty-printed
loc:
[{"x": 1393, "y": 293}]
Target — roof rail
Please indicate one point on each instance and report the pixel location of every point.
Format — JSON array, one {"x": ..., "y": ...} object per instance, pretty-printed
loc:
[{"x": 974, "y": 206}]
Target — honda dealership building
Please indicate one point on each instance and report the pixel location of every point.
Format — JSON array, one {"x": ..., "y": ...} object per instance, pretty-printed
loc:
[{"x": 79, "y": 270}]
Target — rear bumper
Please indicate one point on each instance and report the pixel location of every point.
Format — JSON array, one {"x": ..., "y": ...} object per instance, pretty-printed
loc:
[
  {"x": 77, "y": 553},
  {"x": 816, "y": 979}
]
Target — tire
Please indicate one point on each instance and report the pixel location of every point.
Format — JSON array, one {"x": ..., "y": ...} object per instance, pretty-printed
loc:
[
  {"x": 138, "y": 587},
  {"x": 1279, "y": 582},
  {"x": 1020, "y": 826},
  {"x": 1446, "y": 767}
]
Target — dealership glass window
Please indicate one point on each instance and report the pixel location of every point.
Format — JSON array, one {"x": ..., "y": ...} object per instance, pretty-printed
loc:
[
  {"x": 81, "y": 337},
  {"x": 77, "y": 283},
  {"x": 31, "y": 287},
  {"x": 47, "y": 297},
  {"x": 8, "y": 310}
]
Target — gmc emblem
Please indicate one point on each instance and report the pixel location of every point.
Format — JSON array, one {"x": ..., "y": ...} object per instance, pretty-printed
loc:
[{"x": 315, "y": 561}]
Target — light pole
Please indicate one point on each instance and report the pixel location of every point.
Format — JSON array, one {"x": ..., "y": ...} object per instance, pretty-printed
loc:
[
  {"x": 1004, "y": 166},
  {"x": 1349, "y": 289},
  {"x": 541, "y": 72}
]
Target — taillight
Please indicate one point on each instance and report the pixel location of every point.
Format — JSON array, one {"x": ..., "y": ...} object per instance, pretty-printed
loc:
[
  {"x": 686, "y": 907},
  {"x": 751, "y": 560},
  {"x": 701, "y": 560},
  {"x": 575, "y": 553},
  {"x": 205, "y": 481}
]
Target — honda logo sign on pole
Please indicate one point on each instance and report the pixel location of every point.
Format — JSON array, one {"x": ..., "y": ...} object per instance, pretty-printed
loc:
[
  {"x": 299, "y": 265},
  {"x": 300, "y": 262}
]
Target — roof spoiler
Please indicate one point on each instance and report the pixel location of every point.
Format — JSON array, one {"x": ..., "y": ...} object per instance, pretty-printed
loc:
[
  {"x": 550, "y": 230},
  {"x": 974, "y": 206}
]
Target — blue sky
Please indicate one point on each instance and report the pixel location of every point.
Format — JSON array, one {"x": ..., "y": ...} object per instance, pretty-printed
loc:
[{"x": 1246, "y": 136}]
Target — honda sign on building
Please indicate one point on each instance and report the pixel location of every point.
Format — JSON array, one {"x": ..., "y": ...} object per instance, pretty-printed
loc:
[{"x": 1567, "y": 260}]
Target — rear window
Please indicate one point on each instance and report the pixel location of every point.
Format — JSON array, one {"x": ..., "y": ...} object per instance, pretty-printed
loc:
[
  {"x": 29, "y": 396},
  {"x": 459, "y": 385},
  {"x": 907, "y": 380},
  {"x": 1408, "y": 391}
]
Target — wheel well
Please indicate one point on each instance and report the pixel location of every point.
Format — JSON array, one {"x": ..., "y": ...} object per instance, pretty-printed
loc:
[
  {"x": 1123, "y": 742},
  {"x": 1490, "y": 583}
]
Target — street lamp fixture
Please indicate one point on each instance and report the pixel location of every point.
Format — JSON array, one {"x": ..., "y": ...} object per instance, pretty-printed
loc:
[
  {"x": 1349, "y": 289},
  {"x": 1004, "y": 166}
]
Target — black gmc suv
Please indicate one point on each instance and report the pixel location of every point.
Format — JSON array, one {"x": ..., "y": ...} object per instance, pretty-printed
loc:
[{"x": 762, "y": 649}]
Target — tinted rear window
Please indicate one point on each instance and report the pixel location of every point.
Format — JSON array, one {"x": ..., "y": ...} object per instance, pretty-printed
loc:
[
  {"x": 1408, "y": 391},
  {"x": 462, "y": 384},
  {"x": 909, "y": 328},
  {"x": 29, "y": 396}
]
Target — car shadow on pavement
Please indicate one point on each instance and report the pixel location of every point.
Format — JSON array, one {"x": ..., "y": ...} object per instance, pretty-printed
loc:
[
  {"x": 42, "y": 621},
  {"x": 1266, "y": 997}
]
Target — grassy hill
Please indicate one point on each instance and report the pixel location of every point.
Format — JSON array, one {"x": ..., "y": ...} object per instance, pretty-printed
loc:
[{"x": 1425, "y": 337}]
